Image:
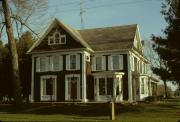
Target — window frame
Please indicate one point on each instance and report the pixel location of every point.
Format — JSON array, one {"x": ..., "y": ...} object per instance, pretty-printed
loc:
[
  {"x": 75, "y": 67},
  {"x": 103, "y": 63},
  {"x": 49, "y": 63},
  {"x": 43, "y": 92},
  {"x": 121, "y": 62},
  {"x": 105, "y": 85},
  {"x": 54, "y": 38}
]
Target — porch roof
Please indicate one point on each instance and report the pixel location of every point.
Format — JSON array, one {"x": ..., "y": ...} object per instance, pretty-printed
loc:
[{"x": 108, "y": 73}]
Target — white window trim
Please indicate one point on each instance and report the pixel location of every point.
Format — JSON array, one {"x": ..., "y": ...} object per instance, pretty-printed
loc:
[
  {"x": 60, "y": 61},
  {"x": 77, "y": 62},
  {"x": 103, "y": 63},
  {"x": 55, "y": 88},
  {"x": 78, "y": 86},
  {"x": 54, "y": 38},
  {"x": 51, "y": 65},
  {"x": 121, "y": 62}
]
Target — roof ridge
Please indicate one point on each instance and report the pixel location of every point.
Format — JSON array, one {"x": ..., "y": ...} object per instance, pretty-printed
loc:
[{"x": 108, "y": 27}]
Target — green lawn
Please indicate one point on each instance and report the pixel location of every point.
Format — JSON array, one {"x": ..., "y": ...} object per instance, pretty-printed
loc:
[{"x": 144, "y": 112}]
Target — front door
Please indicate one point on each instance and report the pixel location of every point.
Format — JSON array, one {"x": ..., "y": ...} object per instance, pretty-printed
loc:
[{"x": 72, "y": 87}]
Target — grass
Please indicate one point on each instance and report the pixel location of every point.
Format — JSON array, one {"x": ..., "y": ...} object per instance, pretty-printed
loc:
[{"x": 144, "y": 112}]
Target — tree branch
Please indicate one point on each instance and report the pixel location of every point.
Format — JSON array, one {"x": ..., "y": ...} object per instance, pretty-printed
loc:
[
  {"x": 2, "y": 29},
  {"x": 23, "y": 23}
]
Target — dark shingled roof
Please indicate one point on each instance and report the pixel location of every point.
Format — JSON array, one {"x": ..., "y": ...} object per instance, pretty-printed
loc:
[{"x": 110, "y": 38}]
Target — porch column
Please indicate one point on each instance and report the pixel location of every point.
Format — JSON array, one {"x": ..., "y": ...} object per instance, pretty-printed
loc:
[
  {"x": 84, "y": 77},
  {"x": 130, "y": 98},
  {"x": 150, "y": 89},
  {"x": 121, "y": 87},
  {"x": 32, "y": 81},
  {"x": 114, "y": 88}
]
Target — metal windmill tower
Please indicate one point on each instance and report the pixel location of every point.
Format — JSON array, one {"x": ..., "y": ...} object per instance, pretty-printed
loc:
[{"x": 81, "y": 13}]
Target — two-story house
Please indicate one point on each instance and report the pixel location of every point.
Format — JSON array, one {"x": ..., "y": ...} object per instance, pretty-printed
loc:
[{"x": 99, "y": 64}]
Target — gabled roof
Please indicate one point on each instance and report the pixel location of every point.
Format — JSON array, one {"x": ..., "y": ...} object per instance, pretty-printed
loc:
[
  {"x": 110, "y": 38},
  {"x": 74, "y": 33},
  {"x": 97, "y": 39}
]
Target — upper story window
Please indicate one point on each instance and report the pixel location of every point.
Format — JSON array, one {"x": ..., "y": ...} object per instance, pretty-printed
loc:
[
  {"x": 42, "y": 67},
  {"x": 49, "y": 63},
  {"x": 115, "y": 62},
  {"x": 73, "y": 62},
  {"x": 57, "y": 38},
  {"x": 99, "y": 63}
]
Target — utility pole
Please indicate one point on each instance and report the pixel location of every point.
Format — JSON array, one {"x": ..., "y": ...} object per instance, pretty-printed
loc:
[
  {"x": 81, "y": 13},
  {"x": 13, "y": 54}
]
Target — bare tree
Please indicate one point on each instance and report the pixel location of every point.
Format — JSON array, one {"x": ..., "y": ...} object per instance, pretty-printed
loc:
[
  {"x": 13, "y": 52},
  {"x": 17, "y": 13}
]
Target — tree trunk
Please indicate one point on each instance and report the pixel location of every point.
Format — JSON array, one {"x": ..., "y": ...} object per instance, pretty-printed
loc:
[
  {"x": 165, "y": 88},
  {"x": 13, "y": 54}
]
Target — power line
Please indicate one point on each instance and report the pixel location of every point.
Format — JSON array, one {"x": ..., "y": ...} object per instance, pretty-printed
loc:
[{"x": 109, "y": 5}]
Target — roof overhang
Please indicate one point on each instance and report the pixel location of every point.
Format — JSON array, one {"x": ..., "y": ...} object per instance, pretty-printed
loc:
[{"x": 108, "y": 73}]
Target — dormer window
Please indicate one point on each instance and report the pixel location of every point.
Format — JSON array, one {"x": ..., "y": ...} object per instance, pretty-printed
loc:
[{"x": 57, "y": 38}]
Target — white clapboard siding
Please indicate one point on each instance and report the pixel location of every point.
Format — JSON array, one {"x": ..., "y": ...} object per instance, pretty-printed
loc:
[
  {"x": 121, "y": 64},
  {"x": 103, "y": 62},
  {"x": 78, "y": 62}
]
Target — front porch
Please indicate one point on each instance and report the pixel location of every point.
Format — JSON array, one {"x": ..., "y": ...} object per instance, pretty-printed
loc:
[{"x": 108, "y": 86}]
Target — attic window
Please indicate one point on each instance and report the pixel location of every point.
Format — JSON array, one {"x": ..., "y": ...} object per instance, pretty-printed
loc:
[{"x": 57, "y": 38}]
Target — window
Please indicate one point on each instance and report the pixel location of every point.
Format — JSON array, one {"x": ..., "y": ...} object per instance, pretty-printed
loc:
[
  {"x": 142, "y": 86},
  {"x": 145, "y": 68},
  {"x": 56, "y": 63},
  {"x": 63, "y": 39},
  {"x": 42, "y": 64},
  {"x": 73, "y": 62},
  {"x": 57, "y": 38},
  {"x": 98, "y": 63},
  {"x": 102, "y": 87},
  {"x": 49, "y": 63},
  {"x": 135, "y": 64},
  {"x": 115, "y": 62},
  {"x": 105, "y": 86},
  {"x": 48, "y": 88}
]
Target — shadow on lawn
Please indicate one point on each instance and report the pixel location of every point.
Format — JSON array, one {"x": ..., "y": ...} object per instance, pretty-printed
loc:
[{"x": 91, "y": 110}]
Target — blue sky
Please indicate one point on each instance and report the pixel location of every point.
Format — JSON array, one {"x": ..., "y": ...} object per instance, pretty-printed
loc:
[{"x": 103, "y": 13}]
